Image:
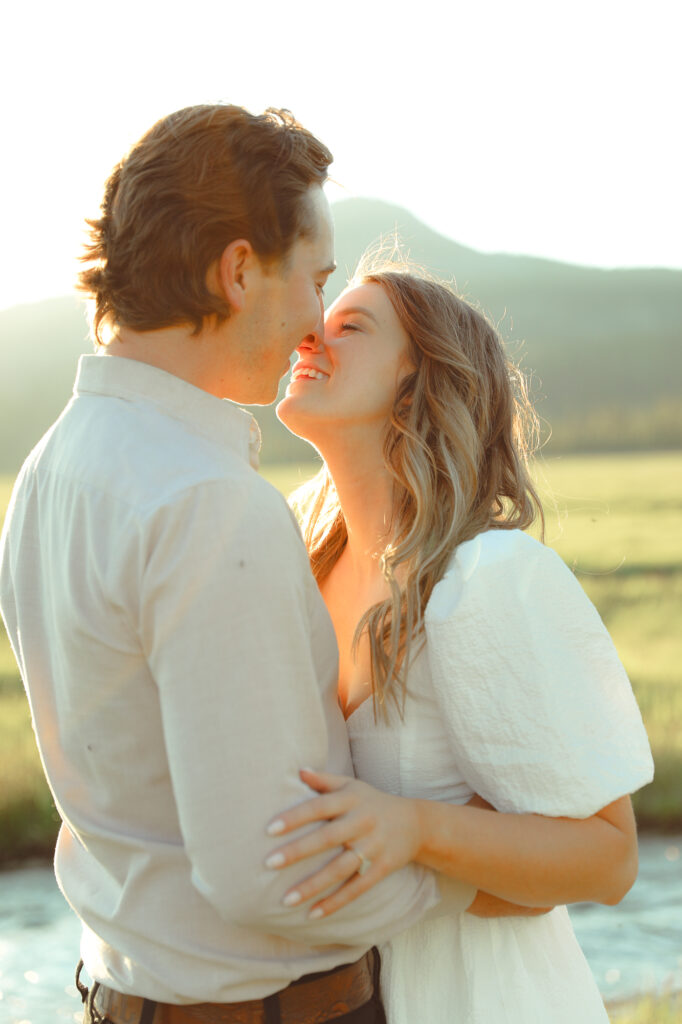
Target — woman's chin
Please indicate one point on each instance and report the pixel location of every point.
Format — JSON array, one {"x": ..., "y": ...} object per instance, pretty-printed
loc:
[{"x": 299, "y": 421}]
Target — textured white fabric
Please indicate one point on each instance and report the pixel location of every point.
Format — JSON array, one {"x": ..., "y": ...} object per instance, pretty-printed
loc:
[
  {"x": 181, "y": 668},
  {"x": 517, "y": 695},
  {"x": 538, "y": 707}
]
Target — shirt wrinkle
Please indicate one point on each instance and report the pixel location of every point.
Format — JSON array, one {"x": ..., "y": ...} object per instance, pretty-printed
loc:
[{"x": 180, "y": 695}]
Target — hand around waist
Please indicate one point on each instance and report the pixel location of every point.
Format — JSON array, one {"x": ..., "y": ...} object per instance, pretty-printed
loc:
[{"x": 371, "y": 832}]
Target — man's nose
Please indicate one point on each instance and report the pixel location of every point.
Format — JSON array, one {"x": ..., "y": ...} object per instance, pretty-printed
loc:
[{"x": 313, "y": 341}]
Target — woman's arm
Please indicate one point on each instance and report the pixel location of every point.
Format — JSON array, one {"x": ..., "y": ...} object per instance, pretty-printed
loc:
[
  {"x": 487, "y": 905},
  {"x": 523, "y": 859},
  {"x": 532, "y": 859}
]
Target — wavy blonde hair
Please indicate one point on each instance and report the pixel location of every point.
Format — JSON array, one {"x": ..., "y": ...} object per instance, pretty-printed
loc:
[{"x": 457, "y": 447}]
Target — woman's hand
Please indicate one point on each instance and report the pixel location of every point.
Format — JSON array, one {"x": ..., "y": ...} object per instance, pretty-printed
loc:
[{"x": 380, "y": 833}]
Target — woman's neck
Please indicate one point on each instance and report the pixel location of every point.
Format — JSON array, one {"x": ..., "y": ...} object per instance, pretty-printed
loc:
[{"x": 364, "y": 488}]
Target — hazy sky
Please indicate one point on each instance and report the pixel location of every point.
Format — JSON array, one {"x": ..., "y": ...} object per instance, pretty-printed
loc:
[{"x": 535, "y": 127}]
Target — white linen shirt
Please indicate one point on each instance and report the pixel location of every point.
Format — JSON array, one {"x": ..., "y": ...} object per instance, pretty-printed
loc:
[{"x": 181, "y": 668}]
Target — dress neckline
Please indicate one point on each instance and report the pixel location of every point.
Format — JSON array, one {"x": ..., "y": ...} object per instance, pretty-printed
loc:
[{"x": 367, "y": 700}]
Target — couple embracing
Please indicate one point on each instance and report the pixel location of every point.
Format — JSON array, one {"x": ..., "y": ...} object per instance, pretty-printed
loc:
[{"x": 205, "y": 686}]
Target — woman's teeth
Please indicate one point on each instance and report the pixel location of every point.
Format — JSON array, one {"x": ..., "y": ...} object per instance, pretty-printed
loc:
[{"x": 312, "y": 374}]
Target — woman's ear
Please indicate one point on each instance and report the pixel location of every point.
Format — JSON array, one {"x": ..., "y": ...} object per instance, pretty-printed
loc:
[
  {"x": 407, "y": 373},
  {"x": 232, "y": 270}
]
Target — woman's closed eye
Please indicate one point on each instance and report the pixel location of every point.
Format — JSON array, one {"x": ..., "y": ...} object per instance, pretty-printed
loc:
[{"x": 349, "y": 327}]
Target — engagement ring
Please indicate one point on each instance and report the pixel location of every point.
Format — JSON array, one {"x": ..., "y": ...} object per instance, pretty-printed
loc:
[{"x": 365, "y": 862}]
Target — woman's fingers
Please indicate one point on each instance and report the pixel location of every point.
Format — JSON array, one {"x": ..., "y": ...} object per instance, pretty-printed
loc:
[
  {"x": 354, "y": 887},
  {"x": 323, "y": 782},
  {"x": 339, "y": 870},
  {"x": 319, "y": 808},
  {"x": 326, "y": 837}
]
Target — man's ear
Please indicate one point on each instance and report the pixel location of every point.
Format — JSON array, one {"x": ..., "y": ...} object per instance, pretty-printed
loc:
[{"x": 234, "y": 267}]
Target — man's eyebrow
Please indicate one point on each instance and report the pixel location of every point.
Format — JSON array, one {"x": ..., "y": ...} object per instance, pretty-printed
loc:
[{"x": 356, "y": 309}]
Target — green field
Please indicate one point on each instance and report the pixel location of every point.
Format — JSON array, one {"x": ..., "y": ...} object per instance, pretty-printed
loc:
[
  {"x": 615, "y": 520},
  {"x": 649, "y": 1010}
]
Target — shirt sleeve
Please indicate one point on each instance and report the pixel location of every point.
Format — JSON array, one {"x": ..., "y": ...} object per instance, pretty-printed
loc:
[
  {"x": 236, "y": 641},
  {"x": 539, "y": 710}
]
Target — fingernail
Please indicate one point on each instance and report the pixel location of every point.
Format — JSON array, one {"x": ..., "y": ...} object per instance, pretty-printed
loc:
[
  {"x": 315, "y": 914},
  {"x": 309, "y": 770},
  {"x": 291, "y": 899},
  {"x": 275, "y": 827},
  {"x": 275, "y": 860}
]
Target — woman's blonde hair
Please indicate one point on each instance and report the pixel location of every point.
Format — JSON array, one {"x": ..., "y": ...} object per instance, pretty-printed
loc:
[{"x": 457, "y": 447}]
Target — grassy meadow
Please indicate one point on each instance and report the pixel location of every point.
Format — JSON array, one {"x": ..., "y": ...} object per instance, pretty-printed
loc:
[
  {"x": 616, "y": 522},
  {"x": 614, "y": 519},
  {"x": 649, "y": 1010}
]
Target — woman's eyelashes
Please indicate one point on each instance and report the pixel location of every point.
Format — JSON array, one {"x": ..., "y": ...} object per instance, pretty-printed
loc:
[{"x": 336, "y": 328}]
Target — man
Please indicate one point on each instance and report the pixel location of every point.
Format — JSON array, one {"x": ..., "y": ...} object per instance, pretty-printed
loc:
[{"x": 180, "y": 664}]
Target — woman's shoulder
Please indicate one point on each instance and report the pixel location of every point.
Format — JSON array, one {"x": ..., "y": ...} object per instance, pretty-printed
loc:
[
  {"x": 505, "y": 560},
  {"x": 498, "y": 547},
  {"x": 496, "y": 550},
  {"x": 528, "y": 681}
]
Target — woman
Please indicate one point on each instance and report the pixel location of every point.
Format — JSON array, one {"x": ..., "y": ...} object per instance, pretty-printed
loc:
[{"x": 470, "y": 663}]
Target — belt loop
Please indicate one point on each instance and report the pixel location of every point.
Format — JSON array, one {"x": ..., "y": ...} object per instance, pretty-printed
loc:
[
  {"x": 271, "y": 1009},
  {"x": 376, "y": 968},
  {"x": 148, "y": 1011},
  {"x": 376, "y": 984}
]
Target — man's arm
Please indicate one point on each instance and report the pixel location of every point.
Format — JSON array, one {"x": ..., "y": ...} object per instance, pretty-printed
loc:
[{"x": 227, "y": 623}]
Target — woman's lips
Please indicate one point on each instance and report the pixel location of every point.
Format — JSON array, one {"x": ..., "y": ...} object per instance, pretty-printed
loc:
[{"x": 310, "y": 373}]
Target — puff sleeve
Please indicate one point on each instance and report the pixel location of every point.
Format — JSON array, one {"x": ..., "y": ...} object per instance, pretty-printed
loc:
[{"x": 539, "y": 710}]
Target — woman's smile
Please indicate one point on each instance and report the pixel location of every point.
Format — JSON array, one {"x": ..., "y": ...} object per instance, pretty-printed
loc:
[
  {"x": 363, "y": 347},
  {"x": 305, "y": 371}
]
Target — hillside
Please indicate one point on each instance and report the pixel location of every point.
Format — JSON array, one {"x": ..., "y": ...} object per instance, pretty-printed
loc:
[
  {"x": 593, "y": 336},
  {"x": 603, "y": 345}
]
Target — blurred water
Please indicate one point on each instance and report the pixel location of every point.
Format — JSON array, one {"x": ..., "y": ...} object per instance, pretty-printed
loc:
[
  {"x": 633, "y": 948},
  {"x": 636, "y": 947}
]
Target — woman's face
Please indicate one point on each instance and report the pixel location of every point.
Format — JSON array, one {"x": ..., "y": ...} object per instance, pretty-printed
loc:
[{"x": 349, "y": 379}]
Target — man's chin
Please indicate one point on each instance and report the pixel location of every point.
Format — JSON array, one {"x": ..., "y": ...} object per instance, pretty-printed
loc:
[
  {"x": 264, "y": 396},
  {"x": 262, "y": 400}
]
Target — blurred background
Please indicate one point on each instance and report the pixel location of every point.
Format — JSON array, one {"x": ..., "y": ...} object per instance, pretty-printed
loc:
[{"x": 527, "y": 152}]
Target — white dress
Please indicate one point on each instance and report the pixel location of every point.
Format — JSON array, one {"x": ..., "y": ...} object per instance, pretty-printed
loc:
[{"x": 519, "y": 696}]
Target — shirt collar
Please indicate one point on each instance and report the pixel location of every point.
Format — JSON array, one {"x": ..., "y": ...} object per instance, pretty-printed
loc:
[{"x": 216, "y": 418}]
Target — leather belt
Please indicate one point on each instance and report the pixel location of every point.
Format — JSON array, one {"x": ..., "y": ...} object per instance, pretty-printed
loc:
[{"x": 310, "y": 1000}]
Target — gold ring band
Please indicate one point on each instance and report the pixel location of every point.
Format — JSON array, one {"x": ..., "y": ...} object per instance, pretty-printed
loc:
[{"x": 365, "y": 862}]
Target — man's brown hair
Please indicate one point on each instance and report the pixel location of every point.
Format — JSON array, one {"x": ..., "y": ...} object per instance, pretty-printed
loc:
[{"x": 196, "y": 181}]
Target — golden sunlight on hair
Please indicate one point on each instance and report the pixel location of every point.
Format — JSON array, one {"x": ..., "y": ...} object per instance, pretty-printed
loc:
[{"x": 457, "y": 446}]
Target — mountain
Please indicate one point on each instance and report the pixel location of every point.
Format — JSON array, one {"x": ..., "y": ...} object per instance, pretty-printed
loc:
[
  {"x": 603, "y": 347},
  {"x": 39, "y": 348},
  {"x": 593, "y": 337}
]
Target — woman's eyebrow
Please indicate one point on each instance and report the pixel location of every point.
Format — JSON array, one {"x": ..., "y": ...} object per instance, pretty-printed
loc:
[{"x": 356, "y": 309}]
